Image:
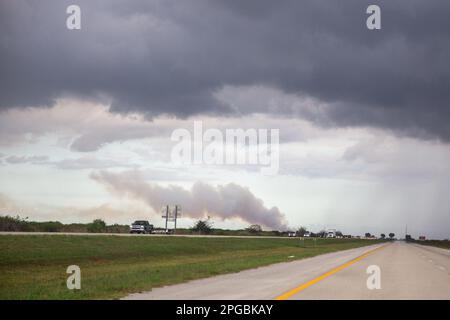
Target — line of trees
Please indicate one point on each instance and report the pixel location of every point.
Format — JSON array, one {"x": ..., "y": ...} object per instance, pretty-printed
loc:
[
  {"x": 9, "y": 223},
  {"x": 391, "y": 236},
  {"x": 18, "y": 224}
]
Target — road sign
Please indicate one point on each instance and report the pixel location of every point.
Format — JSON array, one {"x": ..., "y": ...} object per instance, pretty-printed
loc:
[{"x": 171, "y": 213}]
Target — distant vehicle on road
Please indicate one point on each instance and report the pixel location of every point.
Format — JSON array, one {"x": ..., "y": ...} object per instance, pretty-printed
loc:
[
  {"x": 331, "y": 234},
  {"x": 141, "y": 226},
  {"x": 307, "y": 234},
  {"x": 162, "y": 231},
  {"x": 292, "y": 234}
]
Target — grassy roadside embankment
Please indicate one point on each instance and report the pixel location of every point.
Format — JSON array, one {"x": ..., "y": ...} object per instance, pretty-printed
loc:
[
  {"x": 444, "y": 244},
  {"x": 34, "y": 266}
]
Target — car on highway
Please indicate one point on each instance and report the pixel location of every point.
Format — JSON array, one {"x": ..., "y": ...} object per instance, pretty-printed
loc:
[
  {"x": 141, "y": 226},
  {"x": 331, "y": 234}
]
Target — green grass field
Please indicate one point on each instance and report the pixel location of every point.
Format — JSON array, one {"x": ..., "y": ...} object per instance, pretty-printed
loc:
[{"x": 34, "y": 266}]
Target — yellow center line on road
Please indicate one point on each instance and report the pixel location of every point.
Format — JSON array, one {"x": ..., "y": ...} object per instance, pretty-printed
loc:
[{"x": 302, "y": 287}]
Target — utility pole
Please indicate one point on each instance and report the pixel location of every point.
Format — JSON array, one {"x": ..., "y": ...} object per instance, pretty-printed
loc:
[
  {"x": 167, "y": 216},
  {"x": 176, "y": 215},
  {"x": 171, "y": 215}
]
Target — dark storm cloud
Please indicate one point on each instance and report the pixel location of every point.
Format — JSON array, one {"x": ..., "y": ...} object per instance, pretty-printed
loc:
[{"x": 170, "y": 57}]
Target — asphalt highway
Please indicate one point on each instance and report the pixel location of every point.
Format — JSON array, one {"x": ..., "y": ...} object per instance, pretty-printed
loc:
[{"x": 403, "y": 271}]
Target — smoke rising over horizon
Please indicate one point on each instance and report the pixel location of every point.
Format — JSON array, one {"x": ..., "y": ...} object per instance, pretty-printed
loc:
[{"x": 230, "y": 201}]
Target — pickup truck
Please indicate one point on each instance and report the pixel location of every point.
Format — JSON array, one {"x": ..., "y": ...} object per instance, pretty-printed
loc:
[{"x": 141, "y": 226}]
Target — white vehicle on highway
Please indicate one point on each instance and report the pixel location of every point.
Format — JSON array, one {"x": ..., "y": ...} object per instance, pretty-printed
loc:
[{"x": 331, "y": 234}]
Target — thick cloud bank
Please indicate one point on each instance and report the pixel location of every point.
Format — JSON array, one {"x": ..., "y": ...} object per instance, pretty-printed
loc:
[
  {"x": 225, "y": 202},
  {"x": 172, "y": 57}
]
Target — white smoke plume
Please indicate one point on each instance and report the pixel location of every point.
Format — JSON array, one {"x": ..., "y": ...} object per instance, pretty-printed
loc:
[{"x": 224, "y": 201}]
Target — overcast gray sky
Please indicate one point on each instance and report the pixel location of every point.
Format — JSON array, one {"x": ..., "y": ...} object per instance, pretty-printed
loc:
[{"x": 363, "y": 115}]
